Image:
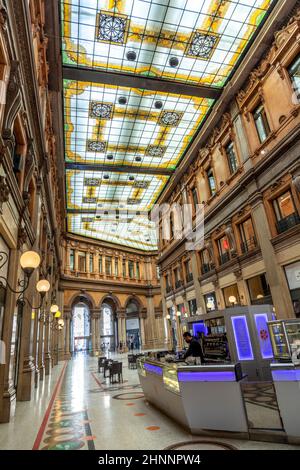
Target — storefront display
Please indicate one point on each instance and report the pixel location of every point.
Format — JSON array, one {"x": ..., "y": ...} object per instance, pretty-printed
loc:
[
  {"x": 293, "y": 278},
  {"x": 238, "y": 334},
  {"x": 285, "y": 338}
]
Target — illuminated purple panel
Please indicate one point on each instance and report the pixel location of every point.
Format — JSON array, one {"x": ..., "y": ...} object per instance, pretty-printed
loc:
[
  {"x": 153, "y": 369},
  {"x": 199, "y": 328},
  {"x": 242, "y": 338},
  {"x": 286, "y": 375},
  {"x": 261, "y": 320},
  {"x": 225, "y": 376}
]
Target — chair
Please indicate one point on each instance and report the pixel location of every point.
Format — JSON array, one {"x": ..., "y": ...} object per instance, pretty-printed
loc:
[
  {"x": 107, "y": 365},
  {"x": 116, "y": 369},
  {"x": 132, "y": 364},
  {"x": 101, "y": 363}
]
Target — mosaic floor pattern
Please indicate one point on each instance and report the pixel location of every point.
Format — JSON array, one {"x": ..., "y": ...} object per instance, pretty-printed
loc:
[{"x": 78, "y": 409}]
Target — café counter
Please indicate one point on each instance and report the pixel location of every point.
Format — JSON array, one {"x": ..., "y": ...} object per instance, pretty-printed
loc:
[{"x": 201, "y": 398}]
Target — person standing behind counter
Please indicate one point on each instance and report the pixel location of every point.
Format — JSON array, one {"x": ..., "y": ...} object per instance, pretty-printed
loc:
[{"x": 195, "y": 349}]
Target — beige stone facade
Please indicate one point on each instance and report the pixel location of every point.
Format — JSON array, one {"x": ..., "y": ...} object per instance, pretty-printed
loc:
[{"x": 246, "y": 174}]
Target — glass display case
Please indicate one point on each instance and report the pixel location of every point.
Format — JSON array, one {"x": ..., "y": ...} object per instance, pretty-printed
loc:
[
  {"x": 170, "y": 378},
  {"x": 285, "y": 338}
]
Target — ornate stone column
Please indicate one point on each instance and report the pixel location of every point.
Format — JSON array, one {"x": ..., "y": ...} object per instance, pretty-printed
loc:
[
  {"x": 67, "y": 317},
  {"x": 121, "y": 315},
  {"x": 47, "y": 353},
  {"x": 143, "y": 315},
  {"x": 275, "y": 275},
  {"x": 40, "y": 352}
]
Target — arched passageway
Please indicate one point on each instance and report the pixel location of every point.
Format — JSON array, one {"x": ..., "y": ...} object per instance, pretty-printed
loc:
[
  {"x": 81, "y": 327},
  {"x": 133, "y": 337},
  {"x": 108, "y": 326}
]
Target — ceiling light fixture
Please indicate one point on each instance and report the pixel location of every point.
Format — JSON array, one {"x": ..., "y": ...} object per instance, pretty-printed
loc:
[
  {"x": 122, "y": 100},
  {"x": 131, "y": 56},
  {"x": 174, "y": 62}
]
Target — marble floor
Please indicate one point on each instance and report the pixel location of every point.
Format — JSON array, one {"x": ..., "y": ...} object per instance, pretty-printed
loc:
[{"x": 77, "y": 409}]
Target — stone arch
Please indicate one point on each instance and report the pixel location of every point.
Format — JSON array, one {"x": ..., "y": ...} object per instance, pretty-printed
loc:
[
  {"x": 135, "y": 299},
  {"x": 111, "y": 300},
  {"x": 84, "y": 298}
]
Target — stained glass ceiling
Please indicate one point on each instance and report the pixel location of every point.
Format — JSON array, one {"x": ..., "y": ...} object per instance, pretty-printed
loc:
[{"x": 122, "y": 143}]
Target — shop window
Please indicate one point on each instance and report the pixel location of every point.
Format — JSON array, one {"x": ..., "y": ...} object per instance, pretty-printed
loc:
[
  {"x": 72, "y": 260},
  {"x": 231, "y": 295},
  {"x": 91, "y": 263},
  {"x": 138, "y": 274},
  {"x": 231, "y": 158},
  {"x": 192, "y": 307},
  {"x": 223, "y": 248},
  {"x": 259, "y": 290},
  {"x": 292, "y": 272},
  {"x": 108, "y": 266},
  {"x": 82, "y": 261},
  {"x": 131, "y": 269},
  {"x": 211, "y": 181},
  {"x": 100, "y": 265},
  {"x": 195, "y": 198},
  {"x": 124, "y": 267},
  {"x": 247, "y": 234},
  {"x": 210, "y": 302},
  {"x": 294, "y": 72},
  {"x": 285, "y": 212},
  {"x": 261, "y": 123}
]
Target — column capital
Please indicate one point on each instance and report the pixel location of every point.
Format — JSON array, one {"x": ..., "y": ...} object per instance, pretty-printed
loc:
[
  {"x": 121, "y": 313},
  {"x": 143, "y": 313},
  {"x": 67, "y": 313}
]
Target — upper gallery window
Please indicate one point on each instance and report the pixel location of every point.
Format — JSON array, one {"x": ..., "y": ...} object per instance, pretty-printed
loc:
[
  {"x": 82, "y": 261},
  {"x": 247, "y": 234},
  {"x": 294, "y": 71},
  {"x": 108, "y": 262},
  {"x": 131, "y": 269},
  {"x": 72, "y": 260},
  {"x": 231, "y": 158},
  {"x": 261, "y": 123},
  {"x": 211, "y": 181},
  {"x": 284, "y": 206},
  {"x": 91, "y": 263}
]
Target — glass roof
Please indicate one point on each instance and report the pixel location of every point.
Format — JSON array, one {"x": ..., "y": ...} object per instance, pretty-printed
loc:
[
  {"x": 197, "y": 41},
  {"x": 122, "y": 144}
]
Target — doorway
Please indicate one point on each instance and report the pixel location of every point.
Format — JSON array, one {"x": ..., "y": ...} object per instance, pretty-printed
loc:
[
  {"x": 133, "y": 338},
  {"x": 108, "y": 329},
  {"x": 81, "y": 337}
]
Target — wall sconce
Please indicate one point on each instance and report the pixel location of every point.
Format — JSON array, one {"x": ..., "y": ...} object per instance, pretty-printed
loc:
[
  {"x": 232, "y": 300},
  {"x": 29, "y": 261},
  {"x": 178, "y": 314}
]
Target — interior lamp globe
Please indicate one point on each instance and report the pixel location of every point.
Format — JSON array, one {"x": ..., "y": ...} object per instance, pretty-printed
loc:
[
  {"x": 61, "y": 322},
  {"x": 29, "y": 261},
  {"x": 57, "y": 314},
  {"x": 178, "y": 313},
  {"x": 232, "y": 299},
  {"x": 43, "y": 286},
  {"x": 54, "y": 308}
]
